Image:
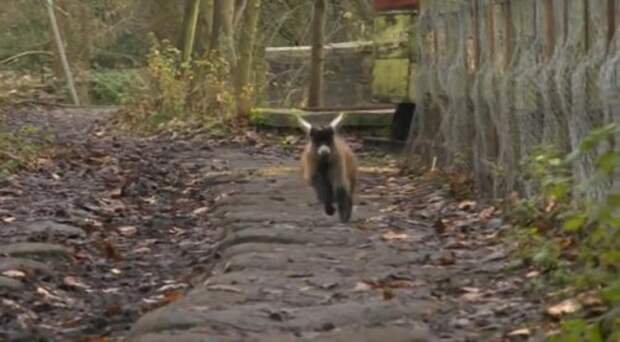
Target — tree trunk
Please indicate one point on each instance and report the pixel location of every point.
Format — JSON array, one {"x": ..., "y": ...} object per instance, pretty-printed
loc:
[
  {"x": 217, "y": 25},
  {"x": 239, "y": 9},
  {"x": 187, "y": 13},
  {"x": 205, "y": 25},
  {"x": 56, "y": 60},
  {"x": 61, "y": 51},
  {"x": 364, "y": 8},
  {"x": 318, "y": 54},
  {"x": 222, "y": 36},
  {"x": 247, "y": 41},
  {"x": 190, "y": 30}
]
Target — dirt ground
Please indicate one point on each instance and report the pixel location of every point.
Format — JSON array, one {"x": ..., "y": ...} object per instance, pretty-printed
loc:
[{"x": 110, "y": 237}]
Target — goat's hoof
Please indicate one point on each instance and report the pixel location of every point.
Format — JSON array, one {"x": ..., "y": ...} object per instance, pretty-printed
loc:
[{"x": 330, "y": 210}]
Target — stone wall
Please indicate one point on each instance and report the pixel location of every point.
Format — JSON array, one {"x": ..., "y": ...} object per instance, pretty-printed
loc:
[
  {"x": 496, "y": 78},
  {"x": 347, "y": 78}
]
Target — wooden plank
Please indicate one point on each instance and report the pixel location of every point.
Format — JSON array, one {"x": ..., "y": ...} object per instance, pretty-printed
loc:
[{"x": 388, "y": 5}]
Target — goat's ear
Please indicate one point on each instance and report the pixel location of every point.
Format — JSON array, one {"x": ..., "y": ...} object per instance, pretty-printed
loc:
[
  {"x": 337, "y": 121},
  {"x": 305, "y": 125}
]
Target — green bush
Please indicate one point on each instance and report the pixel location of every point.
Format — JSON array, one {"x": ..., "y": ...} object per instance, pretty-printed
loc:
[
  {"x": 18, "y": 147},
  {"x": 174, "y": 92},
  {"x": 113, "y": 87},
  {"x": 570, "y": 233}
]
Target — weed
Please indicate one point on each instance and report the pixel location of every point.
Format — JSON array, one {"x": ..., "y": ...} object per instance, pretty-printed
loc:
[
  {"x": 113, "y": 86},
  {"x": 19, "y": 147},
  {"x": 175, "y": 92},
  {"x": 575, "y": 236}
]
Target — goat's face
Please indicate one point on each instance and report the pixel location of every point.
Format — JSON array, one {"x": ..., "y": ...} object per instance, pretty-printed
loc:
[{"x": 322, "y": 139}]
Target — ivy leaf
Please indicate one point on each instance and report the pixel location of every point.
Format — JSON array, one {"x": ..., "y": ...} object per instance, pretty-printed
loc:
[
  {"x": 613, "y": 200},
  {"x": 609, "y": 161},
  {"x": 578, "y": 330},
  {"x": 575, "y": 222},
  {"x": 611, "y": 294},
  {"x": 611, "y": 258}
]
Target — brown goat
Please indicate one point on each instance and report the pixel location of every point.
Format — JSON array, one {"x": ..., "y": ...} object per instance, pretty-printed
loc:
[{"x": 330, "y": 167}]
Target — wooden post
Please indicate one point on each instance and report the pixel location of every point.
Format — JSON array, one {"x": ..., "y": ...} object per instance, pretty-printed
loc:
[
  {"x": 549, "y": 28},
  {"x": 611, "y": 20},
  {"x": 190, "y": 31},
  {"x": 475, "y": 21},
  {"x": 247, "y": 42},
  {"x": 61, "y": 51},
  {"x": 318, "y": 54}
]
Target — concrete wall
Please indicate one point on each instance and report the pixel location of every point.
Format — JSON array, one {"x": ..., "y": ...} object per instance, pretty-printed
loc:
[
  {"x": 347, "y": 79},
  {"x": 495, "y": 78}
]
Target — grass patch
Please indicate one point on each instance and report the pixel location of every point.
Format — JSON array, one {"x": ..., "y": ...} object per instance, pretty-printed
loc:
[
  {"x": 19, "y": 147},
  {"x": 113, "y": 87}
]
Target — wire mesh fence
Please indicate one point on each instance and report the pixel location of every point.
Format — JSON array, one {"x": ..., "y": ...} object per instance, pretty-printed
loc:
[{"x": 497, "y": 78}]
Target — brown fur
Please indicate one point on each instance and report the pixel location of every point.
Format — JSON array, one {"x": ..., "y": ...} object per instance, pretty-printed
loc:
[{"x": 343, "y": 175}]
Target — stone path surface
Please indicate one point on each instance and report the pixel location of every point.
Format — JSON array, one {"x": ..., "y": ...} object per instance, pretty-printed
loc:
[
  {"x": 114, "y": 237},
  {"x": 286, "y": 272}
]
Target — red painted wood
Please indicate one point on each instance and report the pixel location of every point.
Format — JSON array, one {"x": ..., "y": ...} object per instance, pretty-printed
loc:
[{"x": 385, "y": 5}]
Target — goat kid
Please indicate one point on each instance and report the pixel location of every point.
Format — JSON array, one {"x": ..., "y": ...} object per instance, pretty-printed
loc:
[{"x": 330, "y": 167}]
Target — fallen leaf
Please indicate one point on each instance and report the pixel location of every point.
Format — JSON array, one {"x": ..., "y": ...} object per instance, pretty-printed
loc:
[
  {"x": 81, "y": 255},
  {"x": 9, "y": 219},
  {"x": 150, "y": 200},
  {"x": 177, "y": 231},
  {"x": 172, "y": 296},
  {"x": 113, "y": 309},
  {"x": 440, "y": 226},
  {"x": 328, "y": 286},
  {"x": 472, "y": 296},
  {"x": 565, "y": 307},
  {"x": 497, "y": 255},
  {"x": 590, "y": 299},
  {"x": 226, "y": 288},
  {"x": 47, "y": 295},
  {"x": 361, "y": 286},
  {"x": 74, "y": 282},
  {"x": 447, "y": 258},
  {"x": 127, "y": 230},
  {"x": 525, "y": 332},
  {"x": 174, "y": 286},
  {"x": 390, "y": 235},
  {"x": 200, "y": 210},
  {"x": 487, "y": 213},
  {"x": 532, "y": 274},
  {"x": 388, "y": 294},
  {"x": 467, "y": 205},
  {"x": 109, "y": 250},
  {"x": 14, "y": 274},
  {"x": 299, "y": 275},
  {"x": 142, "y": 250},
  {"x": 470, "y": 289},
  {"x": 97, "y": 339},
  {"x": 116, "y": 193}
]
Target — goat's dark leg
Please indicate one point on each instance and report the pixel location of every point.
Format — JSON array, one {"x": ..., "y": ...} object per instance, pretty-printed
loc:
[
  {"x": 345, "y": 204},
  {"x": 323, "y": 188}
]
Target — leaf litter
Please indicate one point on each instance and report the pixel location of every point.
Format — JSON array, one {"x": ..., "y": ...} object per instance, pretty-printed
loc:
[
  {"x": 133, "y": 201},
  {"x": 137, "y": 205}
]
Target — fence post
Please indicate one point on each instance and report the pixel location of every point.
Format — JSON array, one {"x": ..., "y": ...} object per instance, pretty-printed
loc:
[{"x": 61, "y": 51}]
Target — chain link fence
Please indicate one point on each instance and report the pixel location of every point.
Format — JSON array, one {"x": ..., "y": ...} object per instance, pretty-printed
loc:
[{"x": 497, "y": 78}]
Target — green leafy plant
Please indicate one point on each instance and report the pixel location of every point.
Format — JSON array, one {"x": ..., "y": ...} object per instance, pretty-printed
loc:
[
  {"x": 19, "y": 147},
  {"x": 175, "y": 92},
  {"x": 113, "y": 86},
  {"x": 571, "y": 232}
]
